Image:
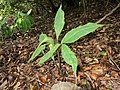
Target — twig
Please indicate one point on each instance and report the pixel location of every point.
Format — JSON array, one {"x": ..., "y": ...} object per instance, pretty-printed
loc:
[
  {"x": 55, "y": 63},
  {"x": 43, "y": 83},
  {"x": 109, "y": 13},
  {"x": 90, "y": 79},
  {"x": 112, "y": 62}
]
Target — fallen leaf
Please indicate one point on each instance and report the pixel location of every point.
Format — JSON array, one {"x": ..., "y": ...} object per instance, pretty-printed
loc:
[
  {"x": 114, "y": 74},
  {"x": 87, "y": 68},
  {"x": 79, "y": 47},
  {"x": 44, "y": 79},
  {"x": 80, "y": 74},
  {"x": 104, "y": 78},
  {"x": 93, "y": 76},
  {"x": 16, "y": 86},
  {"x": 83, "y": 82},
  {"x": 98, "y": 72},
  {"x": 88, "y": 60}
]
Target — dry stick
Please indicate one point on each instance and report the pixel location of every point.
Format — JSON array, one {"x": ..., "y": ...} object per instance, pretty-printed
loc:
[
  {"x": 109, "y": 13},
  {"x": 112, "y": 62},
  {"x": 84, "y": 7}
]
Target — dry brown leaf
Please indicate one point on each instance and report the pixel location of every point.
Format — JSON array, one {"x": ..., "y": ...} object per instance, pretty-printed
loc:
[
  {"x": 79, "y": 47},
  {"x": 87, "y": 68},
  {"x": 98, "y": 72},
  {"x": 93, "y": 76},
  {"x": 104, "y": 78},
  {"x": 44, "y": 79},
  {"x": 88, "y": 60},
  {"x": 97, "y": 66},
  {"x": 37, "y": 74},
  {"x": 114, "y": 74},
  {"x": 83, "y": 82},
  {"x": 80, "y": 74},
  {"x": 42, "y": 69},
  {"x": 102, "y": 88}
]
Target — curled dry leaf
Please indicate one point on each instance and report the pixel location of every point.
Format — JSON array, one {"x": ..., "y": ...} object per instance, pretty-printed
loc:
[
  {"x": 65, "y": 86},
  {"x": 93, "y": 76},
  {"x": 114, "y": 74},
  {"x": 98, "y": 72},
  {"x": 104, "y": 78},
  {"x": 80, "y": 74},
  {"x": 44, "y": 79}
]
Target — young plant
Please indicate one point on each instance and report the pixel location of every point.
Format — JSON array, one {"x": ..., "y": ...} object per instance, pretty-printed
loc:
[
  {"x": 5, "y": 29},
  {"x": 22, "y": 21},
  {"x": 70, "y": 37}
]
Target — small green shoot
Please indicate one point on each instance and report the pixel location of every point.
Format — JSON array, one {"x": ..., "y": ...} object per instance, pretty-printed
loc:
[
  {"x": 22, "y": 21},
  {"x": 103, "y": 53},
  {"x": 87, "y": 52}
]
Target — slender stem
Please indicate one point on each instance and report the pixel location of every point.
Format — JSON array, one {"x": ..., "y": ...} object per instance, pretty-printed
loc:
[
  {"x": 60, "y": 70},
  {"x": 59, "y": 59},
  {"x": 76, "y": 81},
  {"x": 55, "y": 63}
]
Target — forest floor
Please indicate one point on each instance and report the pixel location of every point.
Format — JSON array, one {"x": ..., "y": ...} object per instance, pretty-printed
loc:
[{"x": 98, "y": 53}]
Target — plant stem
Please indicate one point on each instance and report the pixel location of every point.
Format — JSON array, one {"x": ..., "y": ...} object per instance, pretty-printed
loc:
[
  {"x": 55, "y": 63},
  {"x": 60, "y": 67},
  {"x": 59, "y": 59}
]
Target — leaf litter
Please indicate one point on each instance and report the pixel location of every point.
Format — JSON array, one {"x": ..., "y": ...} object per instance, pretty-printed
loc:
[{"x": 98, "y": 54}]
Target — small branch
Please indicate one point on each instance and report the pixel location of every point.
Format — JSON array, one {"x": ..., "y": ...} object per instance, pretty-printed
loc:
[
  {"x": 90, "y": 79},
  {"x": 55, "y": 63},
  {"x": 112, "y": 62},
  {"x": 43, "y": 83},
  {"x": 109, "y": 13}
]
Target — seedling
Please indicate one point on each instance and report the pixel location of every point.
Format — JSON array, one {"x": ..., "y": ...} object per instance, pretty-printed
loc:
[
  {"x": 70, "y": 37},
  {"x": 103, "y": 53},
  {"x": 23, "y": 22}
]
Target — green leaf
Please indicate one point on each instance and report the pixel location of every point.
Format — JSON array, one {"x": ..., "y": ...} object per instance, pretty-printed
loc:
[
  {"x": 23, "y": 26},
  {"x": 38, "y": 50},
  {"x": 103, "y": 53},
  {"x": 69, "y": 57},
  {"x": 31, "y": 19},
  {"x": 59, "y": 21},
  {"x": 42, "y": 37},
  {"x": 19, "y": 20},
  {"x": 79, "y": 32},
  {"x": 27, "y": 21},
  {"x": 1, "y": 17},
  {"x": 28, "y": 13},
  {"x": 87, "y": 52},
  {"x": 49, "y": 54}
]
